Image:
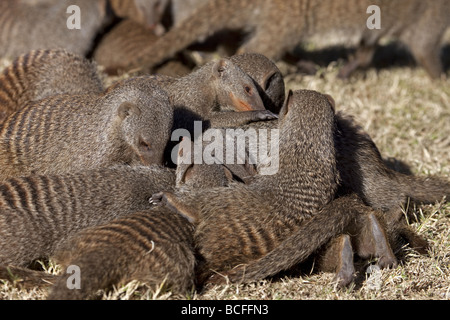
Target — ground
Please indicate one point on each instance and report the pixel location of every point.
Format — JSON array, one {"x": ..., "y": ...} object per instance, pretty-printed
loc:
[{"x": 408, "y": 117}]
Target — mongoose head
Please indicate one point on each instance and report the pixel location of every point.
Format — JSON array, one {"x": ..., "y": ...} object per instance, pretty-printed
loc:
[
  {"x": 145, "y": 119},
  {"x": 235, "y": 90},
  {"x": 146, "y": 12},
  {"x": 193, "y": 175},
  {"x": 267, "y": 77}
]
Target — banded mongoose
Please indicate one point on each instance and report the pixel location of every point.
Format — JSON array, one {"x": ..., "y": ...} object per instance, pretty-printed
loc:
[
  {"x": 255, "y": 218},
  {"x": 129, "y": 123},
  {"x": 39, "y": 212},
  {"x": 418, "y": 24},
  {"x": 45, "y": 24},
  {"x": 153, "y": 246},
  {"x": 42, "y": 73}
]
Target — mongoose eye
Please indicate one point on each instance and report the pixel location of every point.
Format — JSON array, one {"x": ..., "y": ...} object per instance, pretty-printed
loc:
[
  {"x": 144, "y": 145},
  {"x": 248, "y": 89}
]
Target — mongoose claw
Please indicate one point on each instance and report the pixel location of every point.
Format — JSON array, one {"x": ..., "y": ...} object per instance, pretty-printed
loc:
[
  {"x": 157, "y": 199},
  {"x": 217, "y": 279},
  {"x": 262, "y": 115}
]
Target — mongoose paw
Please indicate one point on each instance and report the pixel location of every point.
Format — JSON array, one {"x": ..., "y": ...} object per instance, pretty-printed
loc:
[
  {"x": 387, "y": 261},
  {"x": 217, "y": 279},
  {"x": 168, "y": 200},
  {"x": 262, "y": 115},
  {"x": 345, "y": 276}
]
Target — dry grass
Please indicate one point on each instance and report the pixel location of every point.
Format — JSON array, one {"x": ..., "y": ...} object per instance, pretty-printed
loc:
[{"x": 408, "y": 117}]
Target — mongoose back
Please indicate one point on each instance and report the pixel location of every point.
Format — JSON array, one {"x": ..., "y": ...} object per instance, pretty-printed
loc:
[
  {"x": 38, "y": 213},
  {"x": 43, "y": 25},
  {"x": 147, "y": 13},
  {"x": 257, "y": 217},
  {"x": 153, "y": 246},
  {"x": 418, "y": 24},
  {"x": 130, "y": 123},
  {"x": 122, "y": 43},
  {"x": 41, "y": 73}
]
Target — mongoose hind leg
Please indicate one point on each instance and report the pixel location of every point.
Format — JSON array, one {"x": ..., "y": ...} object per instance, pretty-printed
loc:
[{"x": 371, "y": 241}]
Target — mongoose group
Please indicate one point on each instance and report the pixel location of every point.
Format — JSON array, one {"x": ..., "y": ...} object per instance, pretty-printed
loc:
[
  {"x": 85, "y": 173},
  {"x": 417, "y": 24}
]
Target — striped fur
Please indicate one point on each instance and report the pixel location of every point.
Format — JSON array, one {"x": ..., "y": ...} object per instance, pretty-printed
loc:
[
  {"x": 41, "y": 73},
  {"x": 152, "y": 246},
  {"x": 128, "y": 124},
  {"x": 37, "y": 213}
]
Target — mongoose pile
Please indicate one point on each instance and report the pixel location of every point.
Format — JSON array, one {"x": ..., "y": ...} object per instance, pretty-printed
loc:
[
  {"x": 84, "y": 177},
  {"x": 258, "y": 216}
]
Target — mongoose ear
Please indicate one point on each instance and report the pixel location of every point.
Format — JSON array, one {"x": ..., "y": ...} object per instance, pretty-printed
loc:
[
  {"x": 126, "y": 109},
  {"x": 284, "y": 110},
  {"x": 219, "y": 68},
  {"x": 332, "y": 103},
  {"x": 267, "y": 79},
  {"x": 228, "y": 174}
]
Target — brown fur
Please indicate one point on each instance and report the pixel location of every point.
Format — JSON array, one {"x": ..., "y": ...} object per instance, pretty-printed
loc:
[
  {"x": 42, "y": 73},
  {"x": 130, "y": 123},
  {"x": 278, "y": 26},
  {"x": 38, "y": 213}
]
